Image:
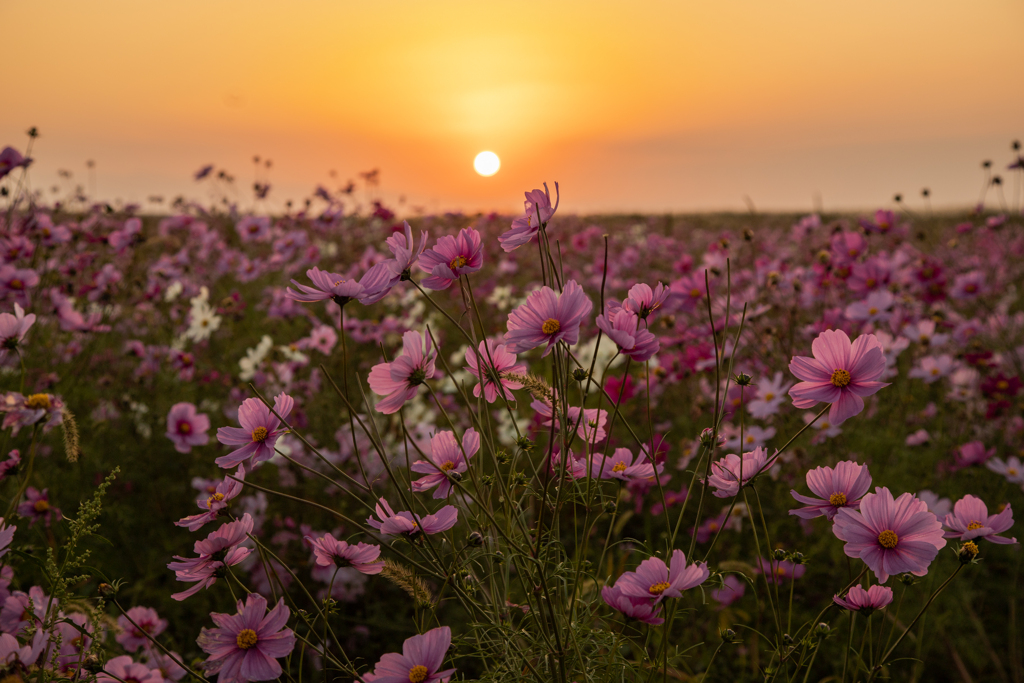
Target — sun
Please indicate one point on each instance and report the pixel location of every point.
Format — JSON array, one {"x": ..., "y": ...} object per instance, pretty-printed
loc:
[{"x": 486, "y": 163}]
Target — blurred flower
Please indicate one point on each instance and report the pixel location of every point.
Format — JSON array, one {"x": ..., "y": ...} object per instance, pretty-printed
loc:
[
  {"x": 865, "y": 601},
  {"x": 186, "y": 427},
  {"x": 970, "y": 520}
]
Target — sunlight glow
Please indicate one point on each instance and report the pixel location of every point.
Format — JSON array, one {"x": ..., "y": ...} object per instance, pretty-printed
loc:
[{"x": 486, "y": 163}]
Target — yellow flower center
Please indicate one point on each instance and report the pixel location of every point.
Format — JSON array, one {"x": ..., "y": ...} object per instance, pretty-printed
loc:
[
  {"x": 246, "y": 639},
  {"x": 260, "y": 434},
  {"x": 769, "y": 396},
  {"x": 781, "y": 571},
  {"x": 184, "y": 428},
  {"x": 1012, "y": 471},
  {"x": 215, "y": 498},
  {"x": 41, "y": 506},
  {"x": 37, "y": 401},
  {"x": 872, "y": 311},
  {"x": 16, "y": 284},
  {"x": 970, "y": 547},
  {"x": 694, "y": 292},
  {"x": 550, "y": 326},
  {"x": 457, "y": 262},
  {"x": 658, "y": 588},
  {"x": 1002, "y": 385},
  {"x": 339, "y": 282},
  {"x": 837, "y": 499},
  {"x": 888, "y": 539},
  {"x": 974, "y": 525},
  {"x": 840, "y": 378},
  {"x": 447, "y": 466},
  {"x": 619, "y": 467},
  {"x": 935, "y": 371},
  {"x": 418, "y": 674}
]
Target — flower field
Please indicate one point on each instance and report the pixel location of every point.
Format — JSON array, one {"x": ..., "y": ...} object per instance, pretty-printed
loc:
[{"x": 328, "y": 444}]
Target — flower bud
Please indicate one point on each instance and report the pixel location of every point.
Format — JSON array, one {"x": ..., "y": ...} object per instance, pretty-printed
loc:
[
  {"x": 968, "y": 551},
  {"x": 908, "y": 579},
  {"x": 728, "y": 635},
  {"x": 476, "y": 539},
  {"x": 502, "y": 457},
  {"x": 787, "y": 639},
  {"x": 708, "y": 435},
  {"x": 797, "y": 558},
  {"x": 580, "y": 374},
  {"x": 779, "y": 554},
  {"x": 455, "y": 476},
  {"x": 106, "y": 590},
  {"x": 609, "y": 506},
  {"x": 92, "y": 664},
  {"x": 748, "y": 234},
  {"x": 743, "y": 379},
  {"x": 524, "y": 444},
  {"x": 824, "y": 257},
  {"x": 822, "y": 629}
]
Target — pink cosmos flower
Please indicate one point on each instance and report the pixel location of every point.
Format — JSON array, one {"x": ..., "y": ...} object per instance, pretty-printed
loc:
[
  {"x": 394, "y": 523},
  {"x": 918, "y": 438},
  {"x": 779, "y": 571},
  {"x": 399, "y": 380},
  {"x": 254, "y": 228},
  {"x": 971, "y": 453},
  {"x": 451, "y": 258},
  {"x": 654, "y": 580},
  {"x": 371, "y": 288},
  {"x": 420, "y": 662},
  {"x": 836, "y": 488},
  {"x": 643, "y": 301},
  {"x": 187, "y": 428},
  {"x": 753, "y": 437},
  {"x": 970, "y": 520},
  {"x": 13, "y": 329},
  {"x": 939, "y": 507},
  {"x": 36, "y": 507},
  {"x": 215, "y": 504},
  {"x": 932, "y": 368},
  {"x": 732, "y": 590},
  {"x": 446, "y": 457},
  {"x": 258, "y": 434},
  {"x": 492, "y": 376},
  {"x": 923, "y": 332},
  {"x": 6, "y": 536},
  {"x": 148, "y": 625},
  {"x": 623, "y": 328},
  {"x": 17, "y": 282},
  {"x": 769, "y": 397},
  {"x": 642, "y": 609},
  {"x": 333, "y": 553},
  {"x": 865, "y": 601},
  {"x": 11, "y": 159},
  {"x": 124, "y": 668},
  {"x": 730, "y": 473},
  {"x": 537, "y": 212},
  {"x": 322, "y": 338},
  {"x": 10, "y": 464},
  {"x": 841, "y": 373},
  {"x": 591, "y": 428},
  {"x": 890, "y": 536},
  {"x": 1012, "y": 469},
  {"x": 873, "y": 309},
  {"x": 13, "y": 652},
  {"x": 547, "y": 317},
  {"x": 246, "y": 646},
  {"x": 217, "y": 551},
  {"x": 25, "y": 411},
  {"x": 406, "y": 255},
  {"x": 16, "y": 615},
  {"x": 968, "y": 286},
  {"x": 620, "y": 466}
]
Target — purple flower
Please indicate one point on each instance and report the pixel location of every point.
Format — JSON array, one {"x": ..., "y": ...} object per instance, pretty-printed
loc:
[
  {"x": 655, "y": 580},
  {"x": 620, "y": 466},
  {"x": 148, "y": 624},
  {"x": 246, "y": 646},
  {"x": 36, "y": 507},
  {"x": 217, "y": 551},
  {"x": 124, "y": 668},
  {"x": 333, "y": 553},
  {"x": 548, "y": 318},
  {"x": 492, "y": 376},
  {"x": 25, "y": 411},
  {"x": 623, "y": 328},
  {"x": 731, "y": 590},
  {"x": 642, "y": 609},
  {"x": 216, "y": 503},
  {"x": 187, "y": 428},
  {"x": 643, "y": 301},
  {"x": 970, "y": 519},
  {"x": 451, "y": 258},
  {"x": 729, "y": 474},
  {"x": 371, "y": 288},
  {"x": 841, "y": 373},
  {"x": 399, "y": 380},
  {"x": 537, "y": 212},
  {"x": 446, "y": 456},
  {"x": 6, "y": 536},
  {"x": 13, "y": 329},
  {"x": 971, "y": 453},
  {"x": 393, "y": 524},
  {"x": 841, "y": 487},
  {"x": 591, "y": 428},
  {"x": 420, "y": 661},
  {"x": 780, "y": 570},
  {"x": 865, "y": 601},
  {"x": 11, "y": 159},
  {"x": 406, "y": 255},
  {"x": 891, "y": 536},
  {"x": 258, "y": 433}
]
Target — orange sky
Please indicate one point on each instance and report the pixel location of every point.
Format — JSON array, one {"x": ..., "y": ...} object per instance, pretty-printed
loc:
[{"x": 631, "y": 105}]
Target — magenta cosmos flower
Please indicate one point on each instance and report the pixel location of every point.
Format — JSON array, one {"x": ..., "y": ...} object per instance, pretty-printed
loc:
[
  {"x": 36, "y": 507},
  {"x": 420, "y": 661},
  {"x": 394, "y": 523},
  {"x": 399, "y": 380},
  {"x": 187, "y": 428},
  {"x": 490, "y": 366},
  {"x": 216, "y": 504},
  {"x": 258, "y": 433},
  {"x": 970, "y": 519},
  {"x": 548, "y": 318},
  {"x": 623, "y": 328},
  {"x": 246, "y": 646},
  {"x": 446, "y": 456},
  {"x": 124, "y": 668},
  {"x": 655, "y": 580},
  {"x": 451, "y": 258},
  {"x": 643, "y": 301},
  {"x": 537, "y": 212},
  {"x": 148, "y": 624},
  {"x": 641, "y": 609},
  {"x": 6, "y": 536},
  {"x": 841, "y": 373},
  {"x": 13, "y": 329},
  {"x": 620, "y": 465},
  {"x": 402, "y": 246},
  {"x": 891, "y": 536},
  {"x": 11, "y": 159},
  {"x": 361, "y": 556},
  {"x": 217, "y": 551},
  {"x": 865, "y": 601},
  {"x": 730, "y": 473},
  {"x": 778, "y": 571},
  {"x": 841, "y": 487},
  {"x": 371, "y": 288}
]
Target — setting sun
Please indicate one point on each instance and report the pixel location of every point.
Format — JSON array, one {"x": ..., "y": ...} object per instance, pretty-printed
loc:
[{"x": 486, "y": 163}]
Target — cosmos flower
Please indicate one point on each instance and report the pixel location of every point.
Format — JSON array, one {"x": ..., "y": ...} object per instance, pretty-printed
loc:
[
  {"x": 970, "y": 519},
  {"x": 25, "y": 411},
  {"x": 865, "y": 601},
  {"x": 451, "y": 258},
  {"x": 11, "y": 159},
  {"x": 339, "y": 289},
  {"x": 732, "y": 590},
  {"x": 620, "y": 466},
  {"x": 446, "y": 457},
  {"x": 537, "y": 212},
  {"x": 333, "y": 553},
  {"x": 187, "y": 428},
  {"x": 399, "y": 380},
  {"x": 655, "y": 580},
  {"x": 779, "y": 571},
  {"x": 36, "y": 507},
  {"x": 939, "y": 507},
  {"x": 890, "y": 536},
  {"x": 548, "y": 318},
  {"x": 420, "y": 662},
  {"x": 124, "y": 668},
  {"x": 13, "y": 329},
  {"x": 874, "y": 308},
  {"x": 217, "y": 551},
  {"x": 933, "y": 368},
  {"x": 148, "y": 624},
  {"x": 590, "y": 428},
  {"x": 215, "y": 504},
  {"x": 840, "y": 487},
  {"x": 258, "y": 434},
  {"x": 623, "y": 328},
  {"x": 394, "y": 523},
  {"x": 492, "y": 376},
  {"x": 642, "y": 609},
  {"x": 246, "y": 646},
  {"x": 730, "y": 473},
  {"x": 769, "y": 397},
  {"x": 841, "y": 373},
  {"x": 1011, "y": 468},
  {"x": 6, "y": 536},
  {"x": 406, "y": 255},
  {"x": 643, "y": 301}
]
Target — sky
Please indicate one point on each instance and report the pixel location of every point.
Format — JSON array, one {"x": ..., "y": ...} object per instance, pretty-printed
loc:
[{"x": 650, "y": 106}]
